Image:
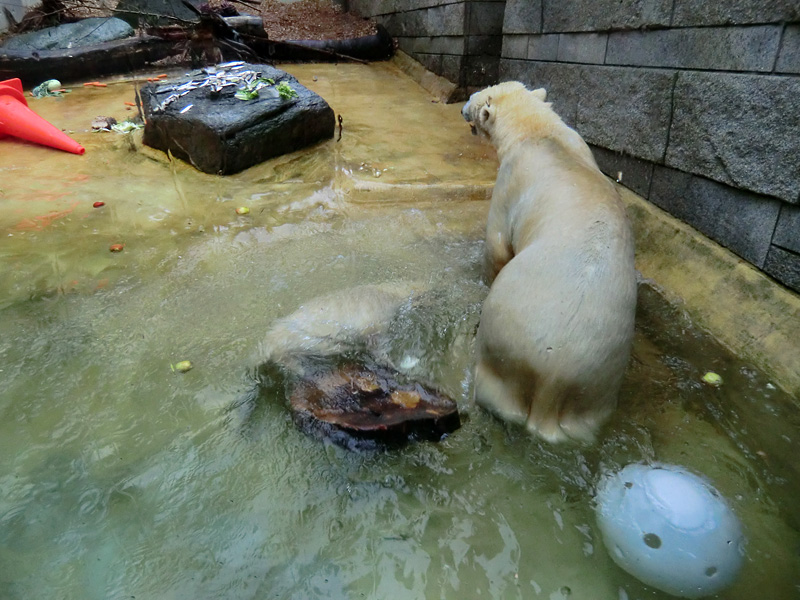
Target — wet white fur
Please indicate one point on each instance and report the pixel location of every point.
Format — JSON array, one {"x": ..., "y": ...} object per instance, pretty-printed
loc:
[{"x": 556, "y": 329}]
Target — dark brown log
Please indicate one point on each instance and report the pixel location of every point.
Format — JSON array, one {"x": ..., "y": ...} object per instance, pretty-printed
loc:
[{"x": 361, "y": 408}]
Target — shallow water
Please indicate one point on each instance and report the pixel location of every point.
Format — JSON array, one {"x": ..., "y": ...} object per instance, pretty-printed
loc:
[{"x": 121, "y": 478}]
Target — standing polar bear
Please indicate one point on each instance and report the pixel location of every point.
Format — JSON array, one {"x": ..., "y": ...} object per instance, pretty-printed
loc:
[{"x": 556, "y": 328}]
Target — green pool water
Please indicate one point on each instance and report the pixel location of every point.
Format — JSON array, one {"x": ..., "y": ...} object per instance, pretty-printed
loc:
[{"x": 120, "y": 478}]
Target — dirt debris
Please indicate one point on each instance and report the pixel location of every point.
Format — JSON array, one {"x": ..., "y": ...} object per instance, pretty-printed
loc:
[{"x": 312, "y": 20}]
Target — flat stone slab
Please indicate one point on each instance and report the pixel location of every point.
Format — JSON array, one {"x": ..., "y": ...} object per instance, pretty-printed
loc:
[
  {"x": 83, "y": 62},
  {"x": 198, "y": 118},
  {"x": 87, "y": 32},
  {"x": 364, "y": 408}
]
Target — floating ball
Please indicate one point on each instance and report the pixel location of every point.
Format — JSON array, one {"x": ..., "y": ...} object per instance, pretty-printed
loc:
[{"x": 670, "y": 529}]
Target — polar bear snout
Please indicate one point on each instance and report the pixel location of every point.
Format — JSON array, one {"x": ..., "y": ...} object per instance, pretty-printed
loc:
[{"x": 465, "y": 112}]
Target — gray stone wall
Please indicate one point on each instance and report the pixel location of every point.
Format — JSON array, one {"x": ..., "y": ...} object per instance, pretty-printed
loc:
[
  {"x": 696, "y": 104},
  {"x": 460, "y": 40}
]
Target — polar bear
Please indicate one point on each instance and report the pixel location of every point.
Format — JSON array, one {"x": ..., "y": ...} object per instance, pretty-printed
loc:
[
  {"x": 556, "y": 328},
  {"x": 337, "y": 324}
]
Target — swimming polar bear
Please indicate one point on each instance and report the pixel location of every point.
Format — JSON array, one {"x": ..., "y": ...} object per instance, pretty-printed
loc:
[
  {"x": 556, "y": 328},
  {"x": 337, "y": 324}
]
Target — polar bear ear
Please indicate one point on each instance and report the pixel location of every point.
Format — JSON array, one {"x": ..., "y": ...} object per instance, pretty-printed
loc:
[
  {"x": 540, "y": 93},
  {"x": 486, "y": 113}
]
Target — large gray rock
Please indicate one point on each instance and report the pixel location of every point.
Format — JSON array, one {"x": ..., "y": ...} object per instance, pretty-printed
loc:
[
  {"x": 87, "y": 32},
  {"x": 742, "y": 130},
  {"x": 222, "y": 134}
]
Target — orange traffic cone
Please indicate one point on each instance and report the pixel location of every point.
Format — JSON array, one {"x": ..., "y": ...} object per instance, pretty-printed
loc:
[{"x": 20, "y": 121}]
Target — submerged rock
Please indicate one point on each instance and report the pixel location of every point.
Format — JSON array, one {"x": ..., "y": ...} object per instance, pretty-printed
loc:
[{"x": 202, "y": 117}]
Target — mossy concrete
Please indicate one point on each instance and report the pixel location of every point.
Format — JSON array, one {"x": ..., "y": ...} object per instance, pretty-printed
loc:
[{"x": 752, "y": 315}]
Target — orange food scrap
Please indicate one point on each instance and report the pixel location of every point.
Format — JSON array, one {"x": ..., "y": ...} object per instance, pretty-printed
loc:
[
  {"x": 365, "y": 384},
  {"x": 116, "y": 247},
  {"x": 130, "y": 104},
  {"x": 42, "y": 221},
  {"x": 409, "y": 399}
]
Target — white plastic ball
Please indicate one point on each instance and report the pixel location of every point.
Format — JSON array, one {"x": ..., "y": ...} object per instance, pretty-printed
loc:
[{"x": 670, "y": 529}]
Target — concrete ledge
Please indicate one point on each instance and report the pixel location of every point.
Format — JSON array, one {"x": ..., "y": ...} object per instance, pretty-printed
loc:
[
  {"x": 442, "y": 89},
  {"x": 754, "y": 317}
]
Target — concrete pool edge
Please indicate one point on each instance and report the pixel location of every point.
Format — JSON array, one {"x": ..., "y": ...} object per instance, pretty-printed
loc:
[
  {"x": 750, "y": 314},
  {"x": 442, "y": 89}
]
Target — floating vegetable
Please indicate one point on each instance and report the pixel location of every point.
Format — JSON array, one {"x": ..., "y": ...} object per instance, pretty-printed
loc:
[
  {"x": 250, "y": 89},
  {"x": 127, "y": 126},
  {"x": 182, "y": 366},
  {"x": 242, "y": 210},
  {"x": 51, "y": 87},
  {"x": 98, "y": 204},
  {"x": 712, "y": 378},
  {"x": 116, "y": 247}
]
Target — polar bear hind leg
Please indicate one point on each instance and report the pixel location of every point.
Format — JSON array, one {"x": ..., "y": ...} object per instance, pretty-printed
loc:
[
  {"x": 538, "y": 404},
  {"x": 493, "y": 392}
]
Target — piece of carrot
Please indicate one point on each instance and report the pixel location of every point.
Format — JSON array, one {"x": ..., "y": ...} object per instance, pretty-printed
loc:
[{"x": 130, "y": 104}]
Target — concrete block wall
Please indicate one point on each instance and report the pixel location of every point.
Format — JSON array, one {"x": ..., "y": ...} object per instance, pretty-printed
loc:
[
  {"x": 695, "y": 103},
  {"x": 460, "y": 40}
]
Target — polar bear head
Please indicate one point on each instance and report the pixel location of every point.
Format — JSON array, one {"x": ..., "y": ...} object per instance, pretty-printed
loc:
[{"x": 506, "y": 112}]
